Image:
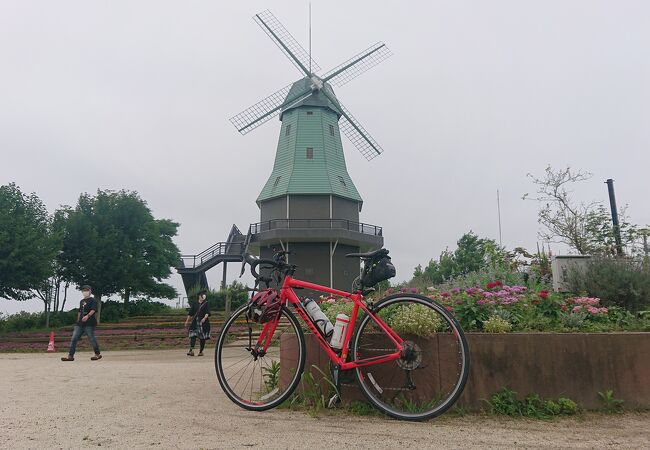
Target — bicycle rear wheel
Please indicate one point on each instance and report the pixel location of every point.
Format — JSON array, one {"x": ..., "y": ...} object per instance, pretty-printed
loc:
[
  {"x": 259, "y": 381},
  {"x": 434, "y": 365}
]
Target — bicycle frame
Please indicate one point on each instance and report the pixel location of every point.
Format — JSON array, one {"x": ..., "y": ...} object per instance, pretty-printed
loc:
[{"x": 287, "y": 295}]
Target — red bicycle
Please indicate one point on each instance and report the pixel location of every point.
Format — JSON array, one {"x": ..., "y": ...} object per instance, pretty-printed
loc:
[{"x": 408, "y": 353}]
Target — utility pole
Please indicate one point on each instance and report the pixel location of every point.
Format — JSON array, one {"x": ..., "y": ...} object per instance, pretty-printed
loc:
[
  {"x": 228, "y": 303},
  {"x": 499, "y": 214},
  {"x": 617, "y": 228}
]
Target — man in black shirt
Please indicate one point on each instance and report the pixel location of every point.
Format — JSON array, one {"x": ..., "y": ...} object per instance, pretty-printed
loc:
[{"x": 86, "y": 323}]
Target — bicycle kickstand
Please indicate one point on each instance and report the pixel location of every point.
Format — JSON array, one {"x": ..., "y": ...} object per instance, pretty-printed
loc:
[{"x": 336, "y": 398}]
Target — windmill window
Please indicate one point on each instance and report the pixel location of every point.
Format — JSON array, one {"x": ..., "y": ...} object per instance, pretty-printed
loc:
[
  {"x": 287, "y": 130},
  {"x": 331, "y": 130},
  {"x": 342, "y": 181},
  {"x": 310, "y": 153},
  {"x": 309, "y": 113},
  {"x": 277, "y": 181}
]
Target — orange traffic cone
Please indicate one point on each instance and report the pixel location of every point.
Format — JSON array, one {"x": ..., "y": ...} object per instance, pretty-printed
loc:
[{"x": 50, "y": 346}]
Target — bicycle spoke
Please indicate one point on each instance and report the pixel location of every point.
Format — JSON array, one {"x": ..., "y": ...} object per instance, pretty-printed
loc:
[
  {"x": 254, "y": 378},
  {"x": 426, "y": 379}
]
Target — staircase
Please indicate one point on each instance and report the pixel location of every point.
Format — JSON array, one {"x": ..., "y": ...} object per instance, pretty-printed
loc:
[{"x": 192, "y": 268}]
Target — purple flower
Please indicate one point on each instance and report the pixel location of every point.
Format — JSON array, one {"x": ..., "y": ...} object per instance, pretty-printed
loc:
[
  {"x": 459, "y": 302},
  {"x": 455, "y": 291},
  {"x": 480, "y": 302},
  {"x": 414, "y": 290}
]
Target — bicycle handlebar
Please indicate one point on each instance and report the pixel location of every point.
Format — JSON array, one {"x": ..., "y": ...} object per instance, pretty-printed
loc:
[{"x": 277, "y": 263}]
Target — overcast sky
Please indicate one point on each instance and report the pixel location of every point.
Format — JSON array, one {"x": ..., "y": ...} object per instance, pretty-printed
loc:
[{"x": 137, "y": 95}]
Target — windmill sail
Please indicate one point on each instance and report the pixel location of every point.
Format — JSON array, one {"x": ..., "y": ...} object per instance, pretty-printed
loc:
[
  {"x": 354, "y": 131},
  {"x": 271, "y": 106},
  {"x": 264, "y": 110},
  {"x": 286, "y": 42},
  {"x": 357, "y": 65}
]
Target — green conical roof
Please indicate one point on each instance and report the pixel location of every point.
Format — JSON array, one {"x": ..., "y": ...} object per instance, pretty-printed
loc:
[{"x": 309, "y": 158}]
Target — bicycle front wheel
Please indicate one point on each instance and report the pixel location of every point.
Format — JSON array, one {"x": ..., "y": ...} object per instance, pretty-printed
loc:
[
  {"x": 433, "y": 366},
  {"x": 253, "y": 380}
]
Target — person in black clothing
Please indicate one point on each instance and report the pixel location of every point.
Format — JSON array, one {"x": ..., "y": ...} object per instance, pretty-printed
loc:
[
  {"x": 199, "y": 323},
  {"x": 86, "y": 323}
]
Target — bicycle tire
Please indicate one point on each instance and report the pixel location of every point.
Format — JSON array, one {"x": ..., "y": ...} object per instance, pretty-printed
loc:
[
  {"x": 377, "y": 393},
  {"x": 229, "y": 390}
]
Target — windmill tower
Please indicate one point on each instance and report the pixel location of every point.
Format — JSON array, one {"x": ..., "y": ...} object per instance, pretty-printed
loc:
[{"x": 309, "y": 205}]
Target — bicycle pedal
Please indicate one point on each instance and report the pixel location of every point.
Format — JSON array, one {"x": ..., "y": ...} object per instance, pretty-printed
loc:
[{"x": 334, "y": 401}]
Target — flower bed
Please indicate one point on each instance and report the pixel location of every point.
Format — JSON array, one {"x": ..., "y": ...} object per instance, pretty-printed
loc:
[{"x": 497, "y": 307}]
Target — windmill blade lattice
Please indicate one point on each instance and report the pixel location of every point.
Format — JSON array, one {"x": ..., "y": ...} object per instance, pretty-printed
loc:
[
  {"x": 358, "y": 135},
  {"x": 354, "y": 131},
  {"x": 358, "y": 64},
  {"x": 286, "y": 42},
  {"x": 264, "y": 110}
]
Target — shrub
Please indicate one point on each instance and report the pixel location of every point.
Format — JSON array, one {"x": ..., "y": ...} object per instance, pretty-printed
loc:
[
  {"x": 415, "y": 319},
  {"x": 618, "y": 282},
  {"x": 496, "y": 324},
  {"x": 217, "y": 298},
  {"x": 331, "y": 310},
  {"x": 112, "y": 311}
]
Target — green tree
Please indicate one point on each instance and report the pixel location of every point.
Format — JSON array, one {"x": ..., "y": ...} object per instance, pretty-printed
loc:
[
  {"x": 472, "y": 254},
  {"x": 27, "y": 245},
  {"x": 113, "y": 242}
]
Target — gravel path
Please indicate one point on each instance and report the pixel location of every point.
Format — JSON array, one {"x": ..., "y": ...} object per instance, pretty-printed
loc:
[{"x": 164, "y": 399}]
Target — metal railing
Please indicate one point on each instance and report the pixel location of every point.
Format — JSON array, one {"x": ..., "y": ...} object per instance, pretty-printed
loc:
[
  {"x": 218, "y": 249},
  {"x": 334, "y": 224}
]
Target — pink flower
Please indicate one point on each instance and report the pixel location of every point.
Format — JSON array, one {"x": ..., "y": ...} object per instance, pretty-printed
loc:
[
  {"x": 445, "y": 294},
  {"x": 576, "y": 309}
]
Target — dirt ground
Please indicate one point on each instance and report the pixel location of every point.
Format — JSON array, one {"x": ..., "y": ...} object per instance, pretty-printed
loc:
[{"x": 164, "y": 399}]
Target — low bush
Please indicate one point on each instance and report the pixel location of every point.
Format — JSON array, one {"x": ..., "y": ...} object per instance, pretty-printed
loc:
[
  {"x": 415, "y": 319},
  {"x": 617, "y": 282},
  {"x": 496, "y": 324},
  {"x": 217, "y": 298},
  {"x": 112, "y": 311}
]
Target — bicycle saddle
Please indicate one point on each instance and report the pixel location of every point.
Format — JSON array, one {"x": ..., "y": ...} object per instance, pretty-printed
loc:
[{"x": 368, "y": 255}]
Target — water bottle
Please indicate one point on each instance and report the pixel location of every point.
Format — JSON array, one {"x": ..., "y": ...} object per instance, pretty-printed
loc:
[
  {"x": 340, "y": 328},
  {"x": 319, "y": 318}
]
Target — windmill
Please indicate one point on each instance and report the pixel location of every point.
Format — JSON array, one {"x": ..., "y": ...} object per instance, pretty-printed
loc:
[{"x": 309, "y": 204}]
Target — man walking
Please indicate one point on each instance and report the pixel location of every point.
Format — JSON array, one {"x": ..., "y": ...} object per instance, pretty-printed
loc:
[{"x": 86, "y": 323}]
